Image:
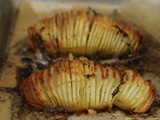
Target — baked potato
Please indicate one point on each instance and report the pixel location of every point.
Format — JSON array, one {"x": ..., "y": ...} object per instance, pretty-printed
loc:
[
  {"x": 83, "y": 84},
  {"x": 83, "y": 33}
]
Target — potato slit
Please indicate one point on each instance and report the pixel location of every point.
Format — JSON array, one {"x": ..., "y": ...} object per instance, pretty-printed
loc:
[{"x": 70, "y": 75}]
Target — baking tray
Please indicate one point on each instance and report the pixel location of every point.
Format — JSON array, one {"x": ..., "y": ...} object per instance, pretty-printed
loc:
[{"x": 142, "y": 15}]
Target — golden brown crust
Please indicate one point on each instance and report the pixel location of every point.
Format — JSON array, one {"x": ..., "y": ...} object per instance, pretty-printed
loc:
[
  {"x": 83, "y": 84},
  {"x": 83, "y": 33}
]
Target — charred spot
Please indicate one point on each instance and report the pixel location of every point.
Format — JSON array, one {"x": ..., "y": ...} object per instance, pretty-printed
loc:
[
  {"x": 40, "y": 66},
  {"x": 122, "y": 83},
  {"x": 121, "y": 31},
  {"x": 41, "y": 42},
  {"x": 40, "y": 39},
  {"x": 130, "y": 48},
  {"x": 24, "y": 73},
  {"x": 27, "y": 60},
  {"x": 141, "y": 37},
  {"x": 88, "y": 76},
  {"x": 125, "y": 34},
  {"x": 140, "y": 71},
  {"x": 128, "y": 44},
  {"x": 57, "y": 43},
  {"x": 116, "y": 91},
  {"x": 50, "y": 62},
  {"x": 16, "y": 89},
  {"x": 95, "y": 13},
  {"x": 123, "y": 75}
]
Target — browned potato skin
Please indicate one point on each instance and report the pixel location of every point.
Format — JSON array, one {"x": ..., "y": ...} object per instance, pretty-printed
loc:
[
  {"x": 85, "y": 76},
  {"x": 83, "y": 33}
]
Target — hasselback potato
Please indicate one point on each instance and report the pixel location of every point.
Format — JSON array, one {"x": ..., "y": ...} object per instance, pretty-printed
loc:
[
  {"x": 83, "y": 33},
  {"x": 83, "y": 84}
]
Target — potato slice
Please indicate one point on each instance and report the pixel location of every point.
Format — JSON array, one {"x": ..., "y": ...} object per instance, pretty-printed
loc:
[
  {"x": 82, "y": 84},
  {"x": 99, "y": 84},
  {"x": 64, "y": 83},
  {"x": 74, "y": 79},
  {"x": 45, "y": 80},
  {"x": 87, "y": 83},
  {"x": 53, "y": 81},
  {"x": 91, "y": 40},
  {"x": 34, "y": 90},
  {"x": 41, "y": 93},
  {"x": 117, "y": 80},
  {"x": 25, "y": 92},
  {"x": 59, "y": 84},
  {"x": 92, "y": 84},
  {"x": 34, "y": 96}
]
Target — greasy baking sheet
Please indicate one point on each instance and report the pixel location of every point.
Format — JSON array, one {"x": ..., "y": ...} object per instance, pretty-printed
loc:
[{"x": 138, "y": 14}]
